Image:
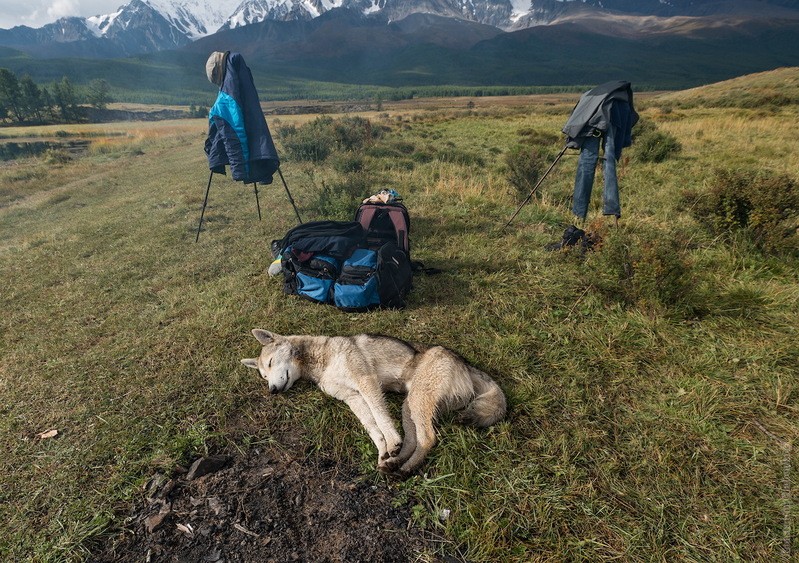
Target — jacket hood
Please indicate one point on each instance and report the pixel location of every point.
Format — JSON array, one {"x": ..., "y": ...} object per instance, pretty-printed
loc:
[{"x": 215, "y": 67}]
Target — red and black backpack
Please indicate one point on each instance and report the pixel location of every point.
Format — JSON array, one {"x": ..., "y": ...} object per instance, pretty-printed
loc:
[
  {"x": 385, "y": 222},
  {"x": 387, "y": 228}
]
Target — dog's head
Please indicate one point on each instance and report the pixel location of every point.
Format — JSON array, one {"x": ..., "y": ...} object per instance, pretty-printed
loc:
[{"x": 278, "y": 363}]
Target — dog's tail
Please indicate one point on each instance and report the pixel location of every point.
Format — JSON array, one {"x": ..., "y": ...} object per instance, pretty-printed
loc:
[{"x": 488, "y": 405}]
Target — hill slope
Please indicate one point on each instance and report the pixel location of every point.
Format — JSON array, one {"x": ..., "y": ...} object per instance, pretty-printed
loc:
[{"x": 778, "y": 87}]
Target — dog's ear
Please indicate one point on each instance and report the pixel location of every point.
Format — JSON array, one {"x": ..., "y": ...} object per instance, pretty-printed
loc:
[
  {"x": 250, "y": 363},
  {"x": 264, "y": 336}
]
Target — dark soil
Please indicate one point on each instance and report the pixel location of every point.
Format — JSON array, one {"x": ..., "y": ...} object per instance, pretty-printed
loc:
[{"x": 267, "y": 506}]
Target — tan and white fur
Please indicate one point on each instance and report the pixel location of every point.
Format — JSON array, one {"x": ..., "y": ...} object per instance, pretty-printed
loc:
[{"x": 359, "y": 369}]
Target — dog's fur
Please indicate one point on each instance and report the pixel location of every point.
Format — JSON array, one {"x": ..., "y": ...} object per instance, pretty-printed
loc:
[{"x": 358, "y": 369}]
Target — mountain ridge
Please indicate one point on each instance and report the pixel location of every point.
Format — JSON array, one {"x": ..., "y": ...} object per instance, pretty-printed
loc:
[{"x": 146, "y": 26}]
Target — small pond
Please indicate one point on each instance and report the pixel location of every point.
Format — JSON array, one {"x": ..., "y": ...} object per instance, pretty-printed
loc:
[{"x": 12, "y": 149}]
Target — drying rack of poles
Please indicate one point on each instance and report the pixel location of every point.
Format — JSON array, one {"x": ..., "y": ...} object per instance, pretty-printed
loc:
[{"x": 257, "y": 201}]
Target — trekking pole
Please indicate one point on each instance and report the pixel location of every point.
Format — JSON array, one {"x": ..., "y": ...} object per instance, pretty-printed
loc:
[
  {"x": 529, "y": 197},
  {"x": 257, "y": 203},
  {"x": 285, "y": 185},
  {"x": 202, "y": 214}
]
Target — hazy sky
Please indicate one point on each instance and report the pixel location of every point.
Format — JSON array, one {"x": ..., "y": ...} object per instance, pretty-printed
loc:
[{"x": 36, "y": 13}]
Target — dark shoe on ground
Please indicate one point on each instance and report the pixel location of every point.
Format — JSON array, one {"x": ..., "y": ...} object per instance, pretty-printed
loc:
[{"x": 571, "y": 236}]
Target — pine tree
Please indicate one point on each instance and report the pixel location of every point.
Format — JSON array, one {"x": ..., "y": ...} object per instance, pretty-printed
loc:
[{"x": 10, "y": 95}]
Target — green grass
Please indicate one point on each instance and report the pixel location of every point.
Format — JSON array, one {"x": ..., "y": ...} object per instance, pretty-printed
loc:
[{"x": 640, "y": 428}]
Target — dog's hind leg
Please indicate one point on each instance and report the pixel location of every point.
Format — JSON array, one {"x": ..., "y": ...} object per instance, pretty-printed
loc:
[
  {"x": 421, "y": 412},
  {"x": 440, "y": 381}
]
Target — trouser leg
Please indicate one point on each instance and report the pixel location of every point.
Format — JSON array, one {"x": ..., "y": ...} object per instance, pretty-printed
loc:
[
  {"x": 584, "y": 180},
  {"x": 610, "y": 192}
]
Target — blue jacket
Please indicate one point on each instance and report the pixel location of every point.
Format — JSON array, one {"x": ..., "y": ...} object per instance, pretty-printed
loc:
[{"x": 237, "y": 133}]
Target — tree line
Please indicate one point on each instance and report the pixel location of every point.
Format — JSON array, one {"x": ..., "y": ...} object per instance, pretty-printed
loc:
[{"x": 24, "y": 101}]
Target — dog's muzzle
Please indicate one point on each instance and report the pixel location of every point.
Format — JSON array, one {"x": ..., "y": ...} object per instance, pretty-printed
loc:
[{"x": 274, "y": 389}]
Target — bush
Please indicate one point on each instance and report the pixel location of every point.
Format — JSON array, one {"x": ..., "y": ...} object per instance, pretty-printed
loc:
[
  {"x": 538, "y": 137},
  {"x": 761, "y": 205},
  {"x": 348, "y": 163},
  {"x": 651, "y": 270},
  {"x": 393, "y": 149},
  {"x": 524, "y": 166},
  {"x": 315, "y": 141},
  {"x": 651, "y": 145},
  {"x": 339, "y": 199},
  {"x": 355, "y": 133}
]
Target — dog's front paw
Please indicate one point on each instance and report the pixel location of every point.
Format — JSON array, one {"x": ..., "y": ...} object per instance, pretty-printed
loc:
[
  {"x": 389, "y": 465},
  {"x": 392, "y": 452}
]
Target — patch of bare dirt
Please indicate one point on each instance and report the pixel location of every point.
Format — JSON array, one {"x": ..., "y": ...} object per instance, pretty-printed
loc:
[{"x": 266, "y": 506}]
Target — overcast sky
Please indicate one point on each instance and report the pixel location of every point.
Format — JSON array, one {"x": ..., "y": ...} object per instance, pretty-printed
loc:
[{"x": 36, "y": 13}]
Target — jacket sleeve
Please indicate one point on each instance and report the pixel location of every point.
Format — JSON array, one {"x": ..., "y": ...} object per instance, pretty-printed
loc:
[{"x": 228, "y": 120}]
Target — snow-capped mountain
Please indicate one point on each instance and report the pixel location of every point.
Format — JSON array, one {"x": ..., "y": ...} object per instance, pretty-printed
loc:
[
  {"x": 195, "y": 18},
  {"x": 254, "y": 11},
  {"x": 142, "y": 26},
  {"x": 192, "y": 18}
]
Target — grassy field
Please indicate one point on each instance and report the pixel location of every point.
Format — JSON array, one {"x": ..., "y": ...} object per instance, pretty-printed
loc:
[{"x": 652, "y": 382}]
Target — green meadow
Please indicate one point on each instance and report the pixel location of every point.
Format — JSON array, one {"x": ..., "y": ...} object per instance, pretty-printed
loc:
[{"x": 651, "y": 379}]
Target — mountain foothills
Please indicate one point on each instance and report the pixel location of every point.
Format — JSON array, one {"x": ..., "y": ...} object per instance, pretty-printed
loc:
[{"x": 145, "y": 26}]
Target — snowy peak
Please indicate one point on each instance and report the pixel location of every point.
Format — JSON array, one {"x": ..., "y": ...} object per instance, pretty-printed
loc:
[{"x": 195, "y": 18}]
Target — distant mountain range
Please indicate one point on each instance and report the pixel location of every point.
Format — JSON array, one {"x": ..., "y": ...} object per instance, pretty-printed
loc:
[
  {"x": 423, "y": 49},
  {"x": 155, "y": 50},
  {"x": 147, "y": 26}
]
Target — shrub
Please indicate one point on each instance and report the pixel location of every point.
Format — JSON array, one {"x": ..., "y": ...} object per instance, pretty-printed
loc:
[
  {"x": 761, "y": 205},
  {"x": 651, "y": 145},
  {"x": 393, "y": 149},
  {"x": 663, "y": 275},
  {"x": 57, "y": 156},
  {"x": 348, "y": 163},
  {"x": 315, "y": 141},
  {"x": 355, "y": 133},
  {"x": 538, "y": 137},
  {"x": 340, "y": 199},
  {"x": 524, "y": 165},
  {"x": 651, "y": 270}
]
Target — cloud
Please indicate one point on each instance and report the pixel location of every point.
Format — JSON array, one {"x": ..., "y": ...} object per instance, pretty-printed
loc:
[{"x": 63, "y": 8}]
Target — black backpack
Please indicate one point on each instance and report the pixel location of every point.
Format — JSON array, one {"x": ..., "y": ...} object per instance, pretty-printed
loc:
[
  {"x": 357, "y": 265},
  {"x": 394, "y": 275}
]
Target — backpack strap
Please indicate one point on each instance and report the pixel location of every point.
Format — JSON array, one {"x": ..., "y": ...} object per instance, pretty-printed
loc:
[
  {"x": 417, "y": 266},
  {"x": 365, "y": 215},
  {"x": 400, "y": 221},
  {"x": 397, "y": 214}
]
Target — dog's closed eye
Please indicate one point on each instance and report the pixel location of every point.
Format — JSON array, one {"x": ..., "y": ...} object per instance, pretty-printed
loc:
[{"x": 270, "y": 363}]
